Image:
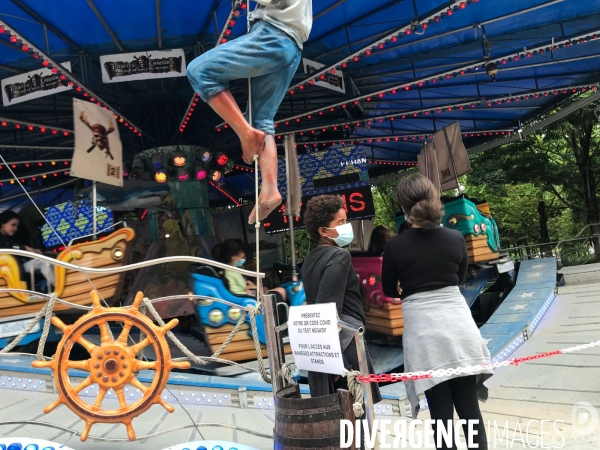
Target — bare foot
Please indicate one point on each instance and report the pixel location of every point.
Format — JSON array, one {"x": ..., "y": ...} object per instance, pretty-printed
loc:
[
  {"x": 253, "y": 144},
  {"x": 265, "y": 206}
]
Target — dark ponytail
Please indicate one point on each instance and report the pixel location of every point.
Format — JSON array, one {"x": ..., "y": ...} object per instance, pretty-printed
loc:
[
  {"x": 226, "y": 250},
  {"x": 420, "y": 201}
]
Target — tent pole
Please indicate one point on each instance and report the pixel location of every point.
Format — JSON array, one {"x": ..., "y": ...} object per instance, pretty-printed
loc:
[{"x": 94, "y": 209}]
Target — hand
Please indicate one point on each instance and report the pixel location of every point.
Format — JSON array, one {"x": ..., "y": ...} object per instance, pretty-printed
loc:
[
  {"x": 399, "y": 288},
  {"x": 250, "y": 284},
  {"x": 33, "y": 250}
]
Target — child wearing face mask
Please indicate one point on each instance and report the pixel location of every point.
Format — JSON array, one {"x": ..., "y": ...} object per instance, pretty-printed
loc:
[
  {"x": 233, "y": 253},
  {"x": 329, "y": 277}
]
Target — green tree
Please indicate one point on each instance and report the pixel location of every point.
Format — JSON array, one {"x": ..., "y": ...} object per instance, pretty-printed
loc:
[{"x": 554, "y": 172}]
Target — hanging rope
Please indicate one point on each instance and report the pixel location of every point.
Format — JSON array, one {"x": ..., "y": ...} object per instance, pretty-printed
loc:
[
  {"x": 45, "y": 312},
  {"x": 356, "y": 389},
  {"x": 286, "y": 373}
]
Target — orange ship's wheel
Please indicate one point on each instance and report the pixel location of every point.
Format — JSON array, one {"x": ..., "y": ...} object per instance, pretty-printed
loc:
[{"x": 112, "y": 365}]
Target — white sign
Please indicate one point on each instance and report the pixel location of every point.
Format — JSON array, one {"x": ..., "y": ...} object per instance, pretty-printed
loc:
[
  {"x": 314, "y": 338},
  {"x": 98, "y": 152},
  {"x": 31, "y": 85},
  {"x": 143, "y": 65},
  {"x": 333, "y": 81}
]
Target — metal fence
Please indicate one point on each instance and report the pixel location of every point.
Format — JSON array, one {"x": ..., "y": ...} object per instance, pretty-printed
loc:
[{"x": 569, "y": 252}]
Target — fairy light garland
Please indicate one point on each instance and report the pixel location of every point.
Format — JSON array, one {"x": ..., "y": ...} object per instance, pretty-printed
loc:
[
  {"x": 234, "y": 14},
  {"x": 446, "y": 108},
  {"x": 472, "y": 69},
  {"x": 386, "y": 41},
  {"x": 64, "y": 75},
  {"x": 397, "y": 138},
  {"x": 32, "y": 126},
  {"x": 225, "y": 193}
]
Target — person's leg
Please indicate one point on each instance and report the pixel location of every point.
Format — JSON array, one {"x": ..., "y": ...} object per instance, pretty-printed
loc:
[
  {"x": 464, "y": 397},
  {"x": 248, "y": 56},
  {"x": 439, "y": 399},
  {"x": 268, "y": 92}
]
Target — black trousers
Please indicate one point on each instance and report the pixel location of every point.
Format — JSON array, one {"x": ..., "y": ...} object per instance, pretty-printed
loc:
[{"x": 460, "y": 394}]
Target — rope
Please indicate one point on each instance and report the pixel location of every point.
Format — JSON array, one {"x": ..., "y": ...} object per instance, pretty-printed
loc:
[
  {"x": 261, "y": 364},
  {"x": 356, "y": 389},
  {"x": 147, "y": 305},
  {"x": 231, "y": 335},
  {"x": 286, "y": 373},
  {"x": 46, "y": 312},
  {"x": 46, "y": 330}
]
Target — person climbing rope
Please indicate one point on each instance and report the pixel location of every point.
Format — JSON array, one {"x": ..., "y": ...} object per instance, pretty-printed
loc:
[{"x": 270, "y": 55}]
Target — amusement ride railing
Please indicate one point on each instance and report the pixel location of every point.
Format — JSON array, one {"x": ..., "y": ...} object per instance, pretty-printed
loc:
[
  {"x": 569, "y": 252},
  {"x": 279, "y": 375}
]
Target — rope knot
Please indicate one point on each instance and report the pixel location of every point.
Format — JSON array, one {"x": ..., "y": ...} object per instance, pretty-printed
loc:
[{"x": 356, "y": 389}]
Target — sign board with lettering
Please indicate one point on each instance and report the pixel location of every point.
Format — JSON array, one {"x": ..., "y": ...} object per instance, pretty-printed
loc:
[
  {"x": 143, "y": 65},
  {"x": 358, "y": 204},
  {"x": 32, "y": 85},
  {"x": 314, "y": 338},
  {"x": 98, "y": 154},
  {"x": 333, "y": 81}
]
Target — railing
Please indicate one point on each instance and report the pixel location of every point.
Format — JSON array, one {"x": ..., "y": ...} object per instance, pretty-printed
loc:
[{"x": 569, "y": 252}]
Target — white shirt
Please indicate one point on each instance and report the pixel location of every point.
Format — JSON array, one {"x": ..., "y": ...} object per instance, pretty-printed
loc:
[{"x": 293, "y": 17}]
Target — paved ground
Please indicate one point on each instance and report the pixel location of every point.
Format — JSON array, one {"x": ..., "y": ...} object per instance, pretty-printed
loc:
[
  {"x": 535, "y": 391},
  {"x": 548, "y": 389}
]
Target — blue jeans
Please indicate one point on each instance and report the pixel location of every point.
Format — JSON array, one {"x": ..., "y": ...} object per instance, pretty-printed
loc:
[{"x": 266, "y": 55}]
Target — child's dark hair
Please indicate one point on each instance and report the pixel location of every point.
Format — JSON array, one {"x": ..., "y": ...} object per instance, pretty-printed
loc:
[
  {"x": 379, "y": 238},
  {"x": 320, "y": 212},
  {"x": 226, "y": 250}
]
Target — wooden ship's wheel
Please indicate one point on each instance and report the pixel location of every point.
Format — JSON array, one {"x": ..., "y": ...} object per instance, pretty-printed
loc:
[{"x": 111, "y": 365}]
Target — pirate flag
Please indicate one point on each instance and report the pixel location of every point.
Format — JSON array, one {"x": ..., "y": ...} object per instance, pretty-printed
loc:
[{"x": 98, "y": 152}]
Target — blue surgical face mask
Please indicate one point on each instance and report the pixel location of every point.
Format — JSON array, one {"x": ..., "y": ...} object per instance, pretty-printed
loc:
[
  {"x": 241, "y": 262},
  {"x": 345, "y": 234}
]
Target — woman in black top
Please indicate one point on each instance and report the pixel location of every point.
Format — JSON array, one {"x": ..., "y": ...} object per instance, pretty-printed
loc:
[
  {"x": 429, "y": 262},
  {"x": 329, "y": 277}
]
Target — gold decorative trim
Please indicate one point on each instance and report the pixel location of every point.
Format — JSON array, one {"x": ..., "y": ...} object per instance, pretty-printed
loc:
[
  {"x": 78, "y": 250},
  {"x": 10, "y": 273}
]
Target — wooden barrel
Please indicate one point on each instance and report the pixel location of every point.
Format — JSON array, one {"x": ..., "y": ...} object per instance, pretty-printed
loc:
[{"x": 310, "y": 423}]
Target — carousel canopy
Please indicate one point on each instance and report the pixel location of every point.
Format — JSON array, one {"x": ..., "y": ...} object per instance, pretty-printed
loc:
[{"x": 408, "y": 68}]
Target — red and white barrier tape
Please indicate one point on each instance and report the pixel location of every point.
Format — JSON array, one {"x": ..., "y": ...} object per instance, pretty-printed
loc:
[{"x": 395, "y": 377}]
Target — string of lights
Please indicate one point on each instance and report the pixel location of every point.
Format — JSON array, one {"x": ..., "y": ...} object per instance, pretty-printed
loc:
[
  {"x": 387, "y": 162},
  {"x": 35, "y": 177},
  {"x": 386, "y": 41},
  {"x": 471, "y": 69},
  {"x": 35, "y": 147},
  {"x": 411, "y": 29},
  {"x": 37, "y": 163},
  {"x": 225, "y": 193},
  {"x": 396, "y": 138},
  {"x": 236, "y": 11},
  {"x": 31, "y": 126},
  {"x": 66, "y": 76},
  {"x": 441, "y": 109}
]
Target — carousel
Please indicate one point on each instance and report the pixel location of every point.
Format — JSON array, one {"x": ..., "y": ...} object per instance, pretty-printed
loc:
[{"x": 117, "y": 325}]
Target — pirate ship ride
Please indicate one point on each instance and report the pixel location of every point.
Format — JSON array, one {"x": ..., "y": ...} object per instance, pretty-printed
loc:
[{"x": 72, "y": 286}]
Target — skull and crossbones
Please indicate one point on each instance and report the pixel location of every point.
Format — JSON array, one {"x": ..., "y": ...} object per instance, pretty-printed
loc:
[{"x": 99, "y": 135}]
